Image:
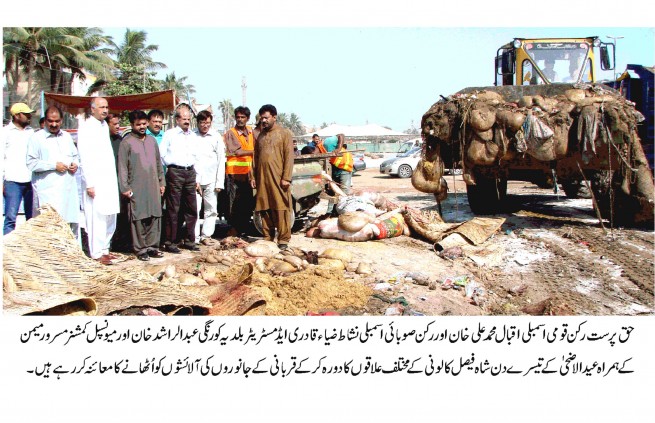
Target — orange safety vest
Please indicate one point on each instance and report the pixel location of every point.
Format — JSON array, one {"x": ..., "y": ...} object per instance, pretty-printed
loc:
[
  {"x": 240, "y": 165},
  {"x": 345, "y": 162},
  {"x": 321, "y": 148}
]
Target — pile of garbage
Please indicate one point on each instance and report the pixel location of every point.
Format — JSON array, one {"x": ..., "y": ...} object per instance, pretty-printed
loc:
[{"x": 587, "y": 125}]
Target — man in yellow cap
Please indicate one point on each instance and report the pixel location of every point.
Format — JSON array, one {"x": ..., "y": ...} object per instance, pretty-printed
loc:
[{"x": 16, "y": 177}]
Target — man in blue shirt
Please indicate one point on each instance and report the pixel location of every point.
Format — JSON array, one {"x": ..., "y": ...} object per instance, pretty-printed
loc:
[{"x": 155, "y": 123}]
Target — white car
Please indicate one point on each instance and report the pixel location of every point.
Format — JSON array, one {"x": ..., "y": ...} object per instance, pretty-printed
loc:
[{"x": 403, "y": 165}]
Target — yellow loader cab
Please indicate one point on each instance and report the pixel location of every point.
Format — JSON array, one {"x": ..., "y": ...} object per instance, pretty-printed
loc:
[{"x": 537, "y": 61}]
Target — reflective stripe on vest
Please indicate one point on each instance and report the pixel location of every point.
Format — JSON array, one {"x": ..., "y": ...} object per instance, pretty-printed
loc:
[
  {"x": 240, "y": 165},
  {"x": 345, "y": 162}
]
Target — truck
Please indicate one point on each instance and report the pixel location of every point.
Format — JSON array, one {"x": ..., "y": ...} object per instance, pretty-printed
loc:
[{"x": 546, "y": 114}]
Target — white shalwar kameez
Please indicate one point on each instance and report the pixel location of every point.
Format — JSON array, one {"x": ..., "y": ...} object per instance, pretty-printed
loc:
[
  {"x": 44, "y": 150},
  {"x": 211, "y": 175},
  {"x": 98, "y": 172}
]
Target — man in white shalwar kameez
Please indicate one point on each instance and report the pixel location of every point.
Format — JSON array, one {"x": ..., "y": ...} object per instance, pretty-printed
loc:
[
  {"x": 52, "y": 157},
  {"x": 99, "y": 180},
  {"x": 211, "y": 171}
]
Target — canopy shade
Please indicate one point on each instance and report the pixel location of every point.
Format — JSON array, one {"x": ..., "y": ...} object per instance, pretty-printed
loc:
[
  {"x": 371, "y": 130},
  {"x": 162, "y": 100}
]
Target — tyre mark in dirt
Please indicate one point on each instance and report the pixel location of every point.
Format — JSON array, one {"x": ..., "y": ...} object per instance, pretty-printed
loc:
[
  {"x": 560, "y": 276},
  {"x": 636, "y": 263}
]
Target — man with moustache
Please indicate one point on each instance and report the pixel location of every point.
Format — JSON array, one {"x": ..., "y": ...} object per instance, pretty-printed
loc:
[
  {"x": 53, "y": 159},
  {"x": 211, "y": 171},
  {"x": 16, "y": 186},
  {"x": 239, "y": 146},
  {"x": 99, "y": 181},
  {"x": 141, "y": 182},
  {"x": 120, "y": 241},
  {"x": 155, "y": 123},
  {"x": 179, "y": 152},
  {"x": 271, "y": 175}
]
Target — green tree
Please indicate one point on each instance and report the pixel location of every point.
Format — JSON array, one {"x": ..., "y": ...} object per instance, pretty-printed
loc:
[
  {"x": 49, "y": 58},
  {"x": 227, "y": 111},
  {"x": 131, "y": 80},
  {"x": 134, "y": 51},
  {"x": 182, "y": 89},
  {"x": 295, "y": 125},
  {"x": 283, "y": 120}
]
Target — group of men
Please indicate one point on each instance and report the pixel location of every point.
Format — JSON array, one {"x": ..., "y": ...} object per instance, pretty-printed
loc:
[{"x": 148, "y": 174}]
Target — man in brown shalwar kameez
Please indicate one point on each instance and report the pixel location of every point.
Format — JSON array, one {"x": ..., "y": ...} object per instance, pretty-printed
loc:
[
  {"x": 271, "y": 176},
  {"x": 141, "y": 180}
]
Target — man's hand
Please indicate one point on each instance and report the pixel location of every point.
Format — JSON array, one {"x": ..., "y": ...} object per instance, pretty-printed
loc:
[
  {"x": 218, "y": 189},
  {"x": 72, "y": 168},
  {"x": 284, "y": 184},
  {"x": 161, "y": 191},
  {"x": 128, "y": 194},
  {"x": 253, "y": 184},
  {"x": 91, "y": 192},
  {"x": 198, "y": 190},
  {"x": 61, "y": 167}
]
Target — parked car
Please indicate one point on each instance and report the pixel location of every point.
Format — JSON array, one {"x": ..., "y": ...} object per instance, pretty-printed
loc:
[
  {"x": 402, "y": 166},
  {"x": 358, "y": 163}
]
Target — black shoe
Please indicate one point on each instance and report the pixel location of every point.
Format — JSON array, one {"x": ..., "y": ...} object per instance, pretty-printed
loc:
[
  {"x": 155, "y": 254},
  {"x": 173, "y": 249},
  {"x": 191, "y": 246},
  {"x": 283, "y": 246},
  {"x": 143, "y": 257}
]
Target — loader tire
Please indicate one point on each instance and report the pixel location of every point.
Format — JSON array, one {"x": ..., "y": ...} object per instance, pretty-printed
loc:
[
  {"x": 576, "y": 189},
  {"x": 487, "y": 195}
]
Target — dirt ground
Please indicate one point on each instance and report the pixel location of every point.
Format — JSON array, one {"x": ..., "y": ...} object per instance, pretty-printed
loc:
[{"x": 550, "y": 257}]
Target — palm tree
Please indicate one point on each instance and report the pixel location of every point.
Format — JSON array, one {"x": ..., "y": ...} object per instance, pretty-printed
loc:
[
  {"x": 295, "y": 125},
  {"x": 282, "y": 120},
  {"x": 49, "y": 55},
  {"x": 79, "y": 50},
  {"x": 25, "y": 50},
  {"x": 172, "y": 82},
  {"x": 134, "y": 51},
  {"x": 227, "y": 110}
]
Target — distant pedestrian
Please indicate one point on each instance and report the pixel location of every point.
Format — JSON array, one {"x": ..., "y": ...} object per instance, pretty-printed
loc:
[
  {"x": 271, "y": 175},
  {"x": 141, "y": 182},
  {"x": 16, "y": 177}
]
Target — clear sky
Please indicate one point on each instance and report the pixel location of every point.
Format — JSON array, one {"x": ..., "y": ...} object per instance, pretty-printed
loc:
[
  {"x": 347, "y": 61},
  {"x": 352, "y": 76}
]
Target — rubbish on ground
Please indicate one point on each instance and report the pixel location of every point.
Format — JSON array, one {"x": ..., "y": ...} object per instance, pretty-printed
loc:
[
  {"x": 394, "y": 310},
  {"x": 452, "y": 253},
  {"x": 382, "y": 286},
  {"x": 518, "y": 289},
  {"x": 455, "y": 282}
]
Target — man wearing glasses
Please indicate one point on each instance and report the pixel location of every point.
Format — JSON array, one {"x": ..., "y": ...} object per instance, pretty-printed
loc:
[{"x": 16, "y": 177}]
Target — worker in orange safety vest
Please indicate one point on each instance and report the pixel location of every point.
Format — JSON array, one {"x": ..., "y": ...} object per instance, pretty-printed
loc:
[
  {"x": 342, "y": 166},
  {"x": 239, "y": 197}
]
